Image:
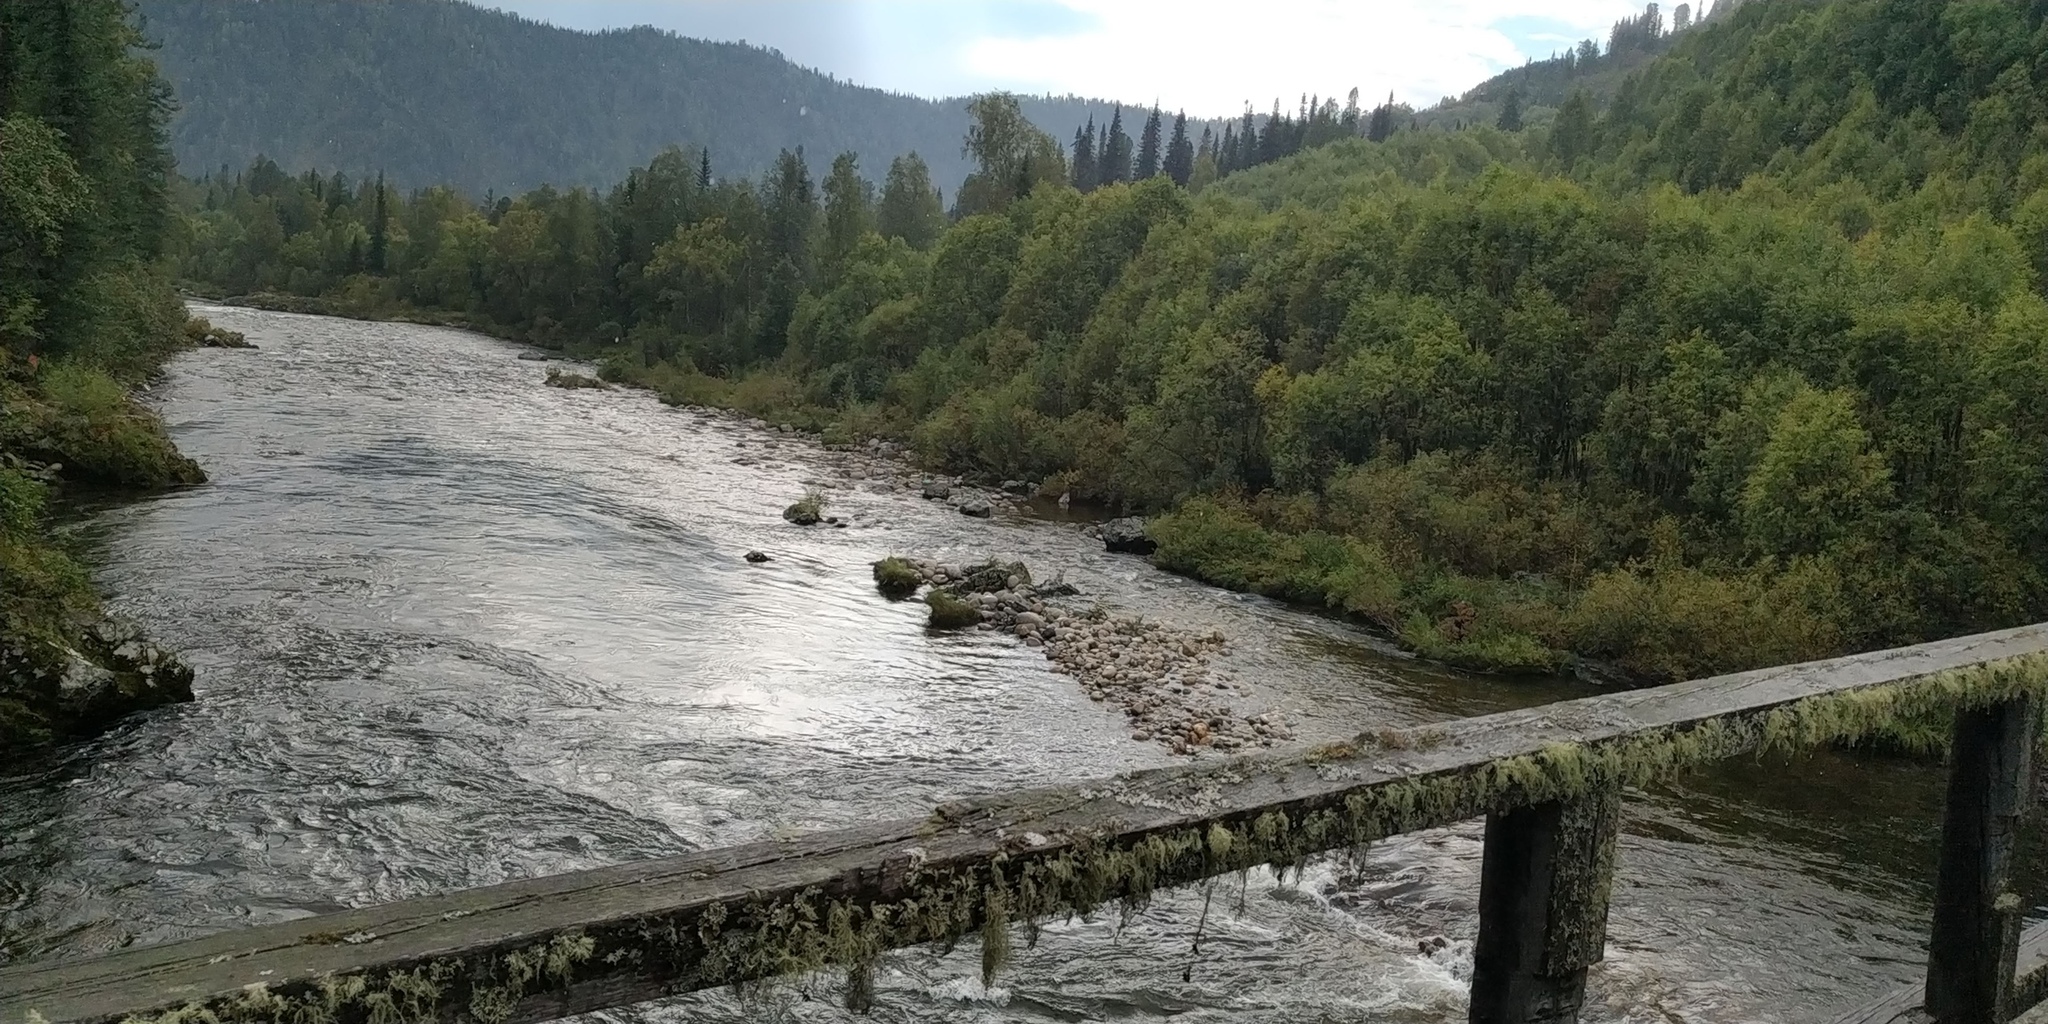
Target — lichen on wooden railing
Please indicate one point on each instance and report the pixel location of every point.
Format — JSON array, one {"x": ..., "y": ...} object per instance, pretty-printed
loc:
[{"x": 530, "y": 950}]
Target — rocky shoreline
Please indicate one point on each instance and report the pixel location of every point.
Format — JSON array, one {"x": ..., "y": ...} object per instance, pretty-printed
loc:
[
  {"x": 1163, "y": 678},
  {"x": 1160, "y": 676}
]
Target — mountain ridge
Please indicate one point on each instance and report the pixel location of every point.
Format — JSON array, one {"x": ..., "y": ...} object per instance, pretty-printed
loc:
[{"x": 449, "y": 92}]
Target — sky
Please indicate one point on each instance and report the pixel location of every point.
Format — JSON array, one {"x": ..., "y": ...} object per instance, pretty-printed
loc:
[{"x": 1208, "y": 58}]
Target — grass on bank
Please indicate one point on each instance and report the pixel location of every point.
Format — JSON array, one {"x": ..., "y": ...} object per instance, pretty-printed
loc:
[{"x": 71, "y": 423}]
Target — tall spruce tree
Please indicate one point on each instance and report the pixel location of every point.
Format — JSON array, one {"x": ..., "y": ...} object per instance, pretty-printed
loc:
[
  {"x": 790, "y": 207},
  {"x": 1381, "y": 126},
  {"x": 1148, "y": 148},
  {"x": 1180, "y": 152},
  {"x": 704, "y": 170},
  {"x": 849, "y": 211},
  {"x": 380, "y": 230},
  {"x": 910, "y": 208},
  {"x": 1084, "y": 172},
  {"x": 1113, "y": 159},
  {"x": 1510, "y": 112}
]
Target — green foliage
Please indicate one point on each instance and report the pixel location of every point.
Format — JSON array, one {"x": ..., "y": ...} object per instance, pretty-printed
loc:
[
  {"x": 1730, "y": 356},
  {"x": 84, "y": 310},
  {"x": 896, "y": 578},
  {"x": 808, "y": 510},
  {"x": 950, "y": 612}
]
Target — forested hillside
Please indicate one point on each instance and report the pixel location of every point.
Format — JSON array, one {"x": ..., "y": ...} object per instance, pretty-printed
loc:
[
  {"x": 443, "y": 92},
  {"x": 85, "y": 307},
  {"x": 1744, "y": 369}
]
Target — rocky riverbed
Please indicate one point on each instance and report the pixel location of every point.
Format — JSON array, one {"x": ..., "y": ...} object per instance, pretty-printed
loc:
[{"x": 1162, "y": 677}]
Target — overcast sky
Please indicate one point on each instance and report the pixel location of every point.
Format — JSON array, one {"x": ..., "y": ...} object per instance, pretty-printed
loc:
[{"x": 1207, "y": 57}]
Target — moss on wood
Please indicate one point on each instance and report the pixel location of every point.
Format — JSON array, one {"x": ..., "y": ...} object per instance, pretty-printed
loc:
[{"x": 1034, "y": 877}]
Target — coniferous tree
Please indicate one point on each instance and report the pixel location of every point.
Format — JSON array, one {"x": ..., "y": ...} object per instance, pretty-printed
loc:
[
  {"x": 1148, "y": 148},
  {"x": 849, "y": 210},
  {"x": 1270, "y": 147},
  {"x": 1510, "y": 112},
  {"x": 380, "y": 226},
  {"x": 1571, "y": 135},
  {"x": 704, "y": 170},
  {"x": 1247, "y": 140},
  {"x": 1226, "y": 151},
  {"x": 910, "y": 208},
  {"x": 1113, "y": 159},
  {"x": 790, "y": 208},
  {"x": 1180, "y": 152},
  {"x": 1381, "y": 126},
  {"x": 1085, "y": 171}
]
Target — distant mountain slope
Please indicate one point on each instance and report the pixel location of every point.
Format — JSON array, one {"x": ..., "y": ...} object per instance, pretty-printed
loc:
[{"x": 439, "y": 91}]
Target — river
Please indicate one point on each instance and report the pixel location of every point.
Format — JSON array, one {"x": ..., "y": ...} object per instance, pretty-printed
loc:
[{"x": 452, "y": 627}]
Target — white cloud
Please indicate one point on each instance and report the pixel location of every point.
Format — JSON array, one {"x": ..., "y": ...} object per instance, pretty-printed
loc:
[
  {"x": 1206, "y": 56},
  {"x": 1212, "y": 57}
]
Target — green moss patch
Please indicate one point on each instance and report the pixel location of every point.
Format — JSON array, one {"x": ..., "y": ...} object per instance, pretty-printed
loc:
[
  {"x": 950, "y": 612},
  {"x": 896, "y": 578}
]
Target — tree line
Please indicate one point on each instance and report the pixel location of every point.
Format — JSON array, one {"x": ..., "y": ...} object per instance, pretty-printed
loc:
[
  {"x": 86, "y": 308},
  {"x": 1742, "y": 368}
]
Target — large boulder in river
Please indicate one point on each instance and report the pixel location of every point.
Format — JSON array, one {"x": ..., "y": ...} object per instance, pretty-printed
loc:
[
  {"x": 978, "y": 507},
  {"x": 938, "y": 489},
  {"x": 1127, "y": 535}
]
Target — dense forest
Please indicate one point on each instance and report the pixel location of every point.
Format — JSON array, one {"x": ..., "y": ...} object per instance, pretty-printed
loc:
[
  {"x": 1740, "y": 367},
  {"x": 446, "y": 92},
  {"x": 86, "y": 308}
]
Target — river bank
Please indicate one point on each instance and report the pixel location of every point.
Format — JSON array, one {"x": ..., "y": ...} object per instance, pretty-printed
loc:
[
  {"x": 453, "y": 627},
  {"x": 68, "y": 429}
]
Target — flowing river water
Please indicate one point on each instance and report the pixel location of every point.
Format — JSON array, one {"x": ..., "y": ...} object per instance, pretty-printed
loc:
[{"x": 452, "y": 627}]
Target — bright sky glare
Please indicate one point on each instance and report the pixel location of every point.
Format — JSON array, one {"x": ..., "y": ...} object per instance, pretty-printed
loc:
[{"x": 1206, "y": 56}]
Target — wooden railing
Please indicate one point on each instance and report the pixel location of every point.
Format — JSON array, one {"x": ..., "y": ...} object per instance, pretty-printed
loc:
[{"x": 1549, "y": 780}]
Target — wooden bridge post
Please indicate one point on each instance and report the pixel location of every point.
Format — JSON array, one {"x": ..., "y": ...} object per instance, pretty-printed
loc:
[
  {"x": 1543, "y": 890},
  {"x": 1975, "y": 940}
]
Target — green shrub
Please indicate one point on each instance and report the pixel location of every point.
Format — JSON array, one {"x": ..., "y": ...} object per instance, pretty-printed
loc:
[
  {"x": 949, "y": 612},
  {"x": 1212, "y": 541},
  {"x": 1481, "y": 646},
  {"x": 896, "y": 579},
  {"x": 809, "y": 510}
]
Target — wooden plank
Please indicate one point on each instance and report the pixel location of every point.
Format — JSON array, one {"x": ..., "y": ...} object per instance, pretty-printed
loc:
[
  {"x": 1970, "y": 952},
  {"x": 1544, "y": 881},
  {"x": 543, "y": 948},
  {"x": 1904, "y": 1005}
]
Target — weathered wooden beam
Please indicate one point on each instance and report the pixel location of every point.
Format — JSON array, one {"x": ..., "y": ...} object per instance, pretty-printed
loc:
[
  {"x": 1903, "y": 1006},
  {"x": 1544, "y": 882},
  {"x": 541, "y": 948},
  {"x": 1971, "y": 950}
]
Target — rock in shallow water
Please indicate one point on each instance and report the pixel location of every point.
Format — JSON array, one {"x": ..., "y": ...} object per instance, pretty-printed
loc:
[{"x": 1127, "y": 535}]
